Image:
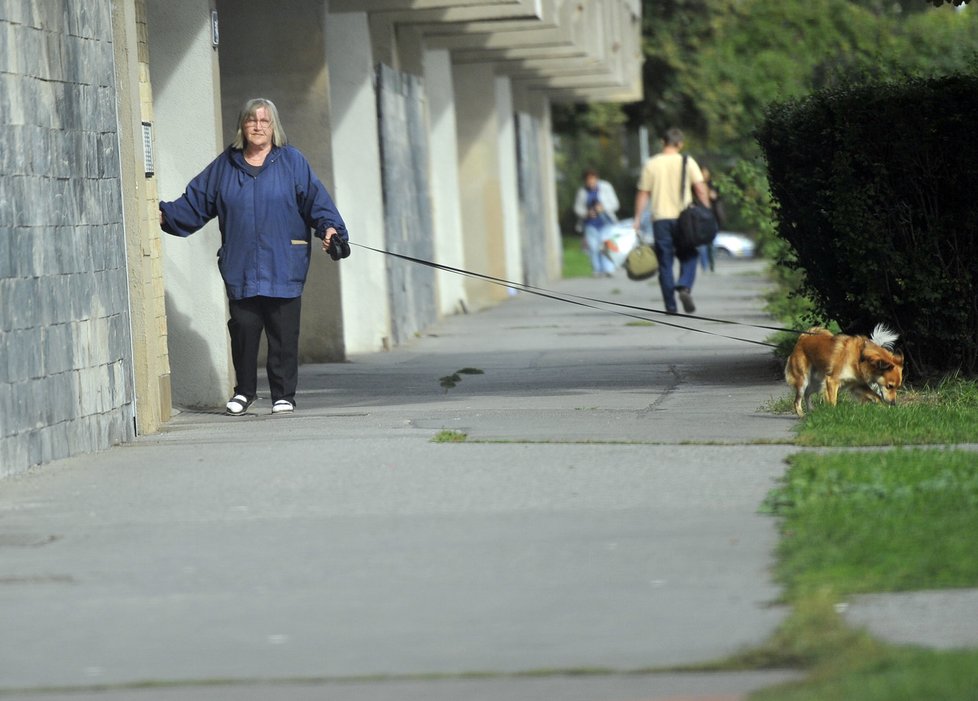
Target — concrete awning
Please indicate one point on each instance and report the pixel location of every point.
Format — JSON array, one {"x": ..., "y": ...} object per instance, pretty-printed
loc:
[
  {"x": 573, "y": 50},
  {"x": 396, "y": 5}
]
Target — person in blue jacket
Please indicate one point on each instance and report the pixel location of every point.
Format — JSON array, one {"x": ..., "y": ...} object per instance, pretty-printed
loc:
[
  {"x": 268, "y": 203},
  {"x": 596, "y": 206}
]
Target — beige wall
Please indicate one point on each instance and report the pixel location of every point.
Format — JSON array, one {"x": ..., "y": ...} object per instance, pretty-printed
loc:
[
  {"x": 447, "y": 210},
  {"x": 510, "y": 232},
  {"x": 479, "y": 182},
  {"x": 151, "y": 366},
  {"x": 186, "y": 93},
  {"x": 359, "y": 195}
]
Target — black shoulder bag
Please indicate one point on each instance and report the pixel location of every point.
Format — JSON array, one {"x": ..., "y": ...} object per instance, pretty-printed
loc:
[{"x": 697, "y": 223}]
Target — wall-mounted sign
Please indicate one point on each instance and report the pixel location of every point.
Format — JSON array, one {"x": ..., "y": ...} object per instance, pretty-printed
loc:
[{"x": 215, "y": 34}]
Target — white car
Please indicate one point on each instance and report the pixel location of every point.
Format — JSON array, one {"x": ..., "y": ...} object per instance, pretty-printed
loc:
[{"x": 730, "y": 245}]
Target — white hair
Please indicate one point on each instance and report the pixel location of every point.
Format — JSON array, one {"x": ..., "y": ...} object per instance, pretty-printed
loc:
[{"x": 248, "y": 110}]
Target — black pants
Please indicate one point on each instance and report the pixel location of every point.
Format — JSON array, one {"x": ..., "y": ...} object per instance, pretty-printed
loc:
[{"x": 279, "y": 319}]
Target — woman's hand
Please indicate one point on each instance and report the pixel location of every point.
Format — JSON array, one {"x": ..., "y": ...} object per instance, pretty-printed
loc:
[{"x": 327, "y": 237}]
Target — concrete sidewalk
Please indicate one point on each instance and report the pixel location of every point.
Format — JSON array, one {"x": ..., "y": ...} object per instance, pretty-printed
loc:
[{"x": 601, "y": 517}]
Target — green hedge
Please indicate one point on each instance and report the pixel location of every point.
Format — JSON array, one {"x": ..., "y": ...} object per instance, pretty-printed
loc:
[{"x": 876, "y": 196}]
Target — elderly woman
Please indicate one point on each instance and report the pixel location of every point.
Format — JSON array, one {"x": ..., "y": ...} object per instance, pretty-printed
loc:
[{"x": 268, "y": 202}]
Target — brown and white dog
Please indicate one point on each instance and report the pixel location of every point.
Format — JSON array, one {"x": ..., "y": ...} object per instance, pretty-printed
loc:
[{"x": 867, "y": 367}]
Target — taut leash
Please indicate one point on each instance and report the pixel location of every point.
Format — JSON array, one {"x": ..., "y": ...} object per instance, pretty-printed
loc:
[{"x": 590, "y": 302}]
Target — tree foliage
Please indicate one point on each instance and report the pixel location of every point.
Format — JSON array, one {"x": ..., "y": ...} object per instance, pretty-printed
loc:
[{"x": 713, "y": 66}]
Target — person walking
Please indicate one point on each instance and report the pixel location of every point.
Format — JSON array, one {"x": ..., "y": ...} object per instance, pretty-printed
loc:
[
  {"x": 707, "y": 260},
  {"x": 659, "y": 186},
  {"x": 269, "y": 203},
  {"x": 596, "y": 205}
]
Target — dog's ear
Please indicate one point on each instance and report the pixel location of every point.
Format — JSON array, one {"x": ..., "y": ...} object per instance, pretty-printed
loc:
[
  {"x": 870, "y": 354},
  {"x": 878, "y": 358}
]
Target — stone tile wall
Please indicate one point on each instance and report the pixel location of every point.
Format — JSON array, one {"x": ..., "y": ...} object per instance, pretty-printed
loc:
[{"x": 65, "y": 345}]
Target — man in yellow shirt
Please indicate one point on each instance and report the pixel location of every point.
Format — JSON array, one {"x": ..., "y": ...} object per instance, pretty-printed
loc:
[{"x": 659, "y": 186}]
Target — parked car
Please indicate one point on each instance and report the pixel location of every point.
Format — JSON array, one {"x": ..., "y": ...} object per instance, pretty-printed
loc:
[{"x": 727, "y": 244}]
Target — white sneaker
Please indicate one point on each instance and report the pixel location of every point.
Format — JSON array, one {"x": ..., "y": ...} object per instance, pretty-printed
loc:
[{"x": 282, "y": 406}]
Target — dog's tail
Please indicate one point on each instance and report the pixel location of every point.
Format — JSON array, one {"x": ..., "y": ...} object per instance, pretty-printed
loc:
[{"x": 884, "y": 336}]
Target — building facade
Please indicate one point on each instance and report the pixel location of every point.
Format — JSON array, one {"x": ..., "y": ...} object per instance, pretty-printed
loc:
[{"x": 428, "y": 120}]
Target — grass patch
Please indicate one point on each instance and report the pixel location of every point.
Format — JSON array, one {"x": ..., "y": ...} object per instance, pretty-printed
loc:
[
  {"x": 813, "y": 637},
  {"x": 639, "y": 323},
  {"x": 880, "y": 521},
  {"x": 859, "y": 522},
  {"x": 897, "y": 675},
  {"x": 866, "y": 425},
  {"x": 576, "y": 261},
  {"x": 779, "y": 405},
  {"x": 945, "y": 414},
  {"x": 447, "y": 436}
]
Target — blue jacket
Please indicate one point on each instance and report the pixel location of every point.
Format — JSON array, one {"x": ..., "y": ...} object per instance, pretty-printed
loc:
[{"x": 265, "y": 220}]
